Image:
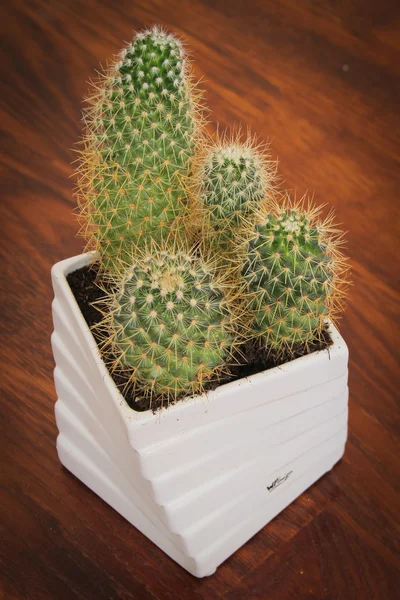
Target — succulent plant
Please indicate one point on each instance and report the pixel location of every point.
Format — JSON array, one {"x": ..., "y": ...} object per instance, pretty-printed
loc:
[
  {"x": 231, "y": 177},
  {"x": 295, "y": 274},
  {"x": 157, "y": 201},
  {"x": 142, "y": 123},
  {"x": 170, "y": 324}
]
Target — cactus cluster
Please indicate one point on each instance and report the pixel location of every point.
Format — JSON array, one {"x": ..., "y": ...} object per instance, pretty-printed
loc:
[{"x": 157, "y": 201}]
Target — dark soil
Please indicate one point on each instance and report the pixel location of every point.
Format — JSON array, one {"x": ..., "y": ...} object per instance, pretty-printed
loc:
[{"x": 83, "y": 285}]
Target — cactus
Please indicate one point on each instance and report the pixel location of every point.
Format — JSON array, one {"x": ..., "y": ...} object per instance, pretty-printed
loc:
[
  {"x": 295, "y": 274},
  {"x": 231, "y": 177},
  {"x": 149, "y": 189},
  {"x": 142, "y": 123},
  {"x": 170, "y": 323}
]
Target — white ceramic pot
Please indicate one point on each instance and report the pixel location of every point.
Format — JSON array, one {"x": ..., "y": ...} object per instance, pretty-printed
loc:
[{"x": 203, "y": 476}]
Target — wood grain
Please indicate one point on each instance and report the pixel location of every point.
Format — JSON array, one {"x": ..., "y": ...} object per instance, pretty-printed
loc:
[{"x": 319, "y": 80}]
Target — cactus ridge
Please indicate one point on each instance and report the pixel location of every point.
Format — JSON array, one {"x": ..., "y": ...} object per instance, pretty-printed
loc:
[
  {"x": 142, "y": 124},
  {"x": 170, "y": 323},
  {"x": 295, "y": 272}
]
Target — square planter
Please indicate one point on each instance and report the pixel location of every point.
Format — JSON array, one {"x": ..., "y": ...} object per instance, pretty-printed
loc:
[{"x": 202, "y": 477}]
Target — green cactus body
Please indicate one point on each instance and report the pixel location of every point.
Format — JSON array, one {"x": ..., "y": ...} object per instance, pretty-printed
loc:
[
  {"x": 232, "y": 178},
  {"x": 141, "y": 130},
  {"x": 291, "y": 277},
  {"x": 172, "y": 328}
]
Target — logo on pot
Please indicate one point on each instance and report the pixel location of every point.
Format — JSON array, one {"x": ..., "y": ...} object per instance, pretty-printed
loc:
[{"x": 278, "y": 481}]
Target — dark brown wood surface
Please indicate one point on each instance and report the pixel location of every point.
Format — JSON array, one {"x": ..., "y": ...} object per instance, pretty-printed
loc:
[{"x": 319, "y": 80}]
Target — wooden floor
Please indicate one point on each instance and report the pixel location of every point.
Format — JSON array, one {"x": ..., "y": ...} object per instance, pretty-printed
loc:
[{"x": 320, "y": 81}]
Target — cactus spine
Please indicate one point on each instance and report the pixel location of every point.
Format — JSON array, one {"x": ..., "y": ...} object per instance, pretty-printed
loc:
[
  {"x": 141, "y": 128},
  {"x": 171, "y": 328},
  {"x": 295, "y": 274}
]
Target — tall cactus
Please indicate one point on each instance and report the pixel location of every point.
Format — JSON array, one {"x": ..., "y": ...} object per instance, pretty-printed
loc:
[
  {"x": 141, "y": 127},
  {"x": 231, "y": 177},
  {"x": 170, "y": 324},
  {"x": 295, "y": 273}
]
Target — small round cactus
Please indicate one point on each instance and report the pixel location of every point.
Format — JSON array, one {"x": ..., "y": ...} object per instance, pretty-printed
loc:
[
  {"x": 231, "y": 179},
  {"x": 295, "y": 274},
  {"x": 142, "y": 123},
  {"x": 171, "y": 325}
]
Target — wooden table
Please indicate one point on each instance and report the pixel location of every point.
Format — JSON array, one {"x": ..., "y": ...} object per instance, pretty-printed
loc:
[{"x": 319, "y": 80}]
